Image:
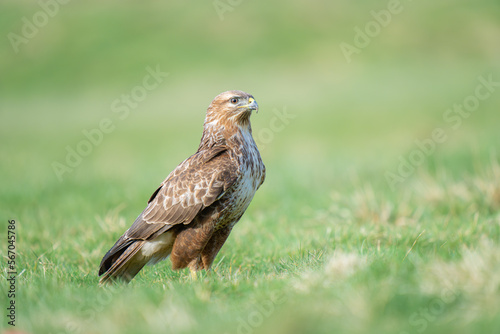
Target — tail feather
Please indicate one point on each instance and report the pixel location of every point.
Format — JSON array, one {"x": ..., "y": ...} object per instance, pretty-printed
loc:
[
  {"x": 110, "y": 257},
  {"x": 122, "y": 262}
]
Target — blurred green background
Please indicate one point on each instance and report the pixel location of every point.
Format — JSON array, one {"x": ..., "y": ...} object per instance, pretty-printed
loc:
[
  {"x": 350, "y": 120},
  {"x": 64, "y": 79}
]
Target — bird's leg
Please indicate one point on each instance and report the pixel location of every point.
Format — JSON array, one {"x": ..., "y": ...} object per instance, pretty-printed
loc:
[
  {"x": 213, "y": 247},
  {"x": 194, "y": 266},
  {"x": 194, "y": 274}
]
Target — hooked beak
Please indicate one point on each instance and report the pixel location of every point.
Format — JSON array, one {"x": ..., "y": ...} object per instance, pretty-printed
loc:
[{"x": 252, "y": 105}]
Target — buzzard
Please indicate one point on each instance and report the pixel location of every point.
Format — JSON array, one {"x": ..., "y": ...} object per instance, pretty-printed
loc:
[{"x": 191, "y": 214}]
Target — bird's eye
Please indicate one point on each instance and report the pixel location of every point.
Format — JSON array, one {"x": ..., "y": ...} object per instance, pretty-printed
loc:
[{"x": 234, "y": 100}]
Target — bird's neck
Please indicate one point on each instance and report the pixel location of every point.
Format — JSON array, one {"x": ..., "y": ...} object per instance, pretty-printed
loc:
[{"x": 231, "y": 134}]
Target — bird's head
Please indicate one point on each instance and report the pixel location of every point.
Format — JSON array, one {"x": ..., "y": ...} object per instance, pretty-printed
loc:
[{"x": 233, "y": 107}]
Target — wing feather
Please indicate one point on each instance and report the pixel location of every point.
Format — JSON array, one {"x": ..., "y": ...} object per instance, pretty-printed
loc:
[{"x": 194, "y": 185}]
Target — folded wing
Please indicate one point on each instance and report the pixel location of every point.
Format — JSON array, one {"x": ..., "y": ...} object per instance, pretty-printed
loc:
[{"x": 194, "y": 185}]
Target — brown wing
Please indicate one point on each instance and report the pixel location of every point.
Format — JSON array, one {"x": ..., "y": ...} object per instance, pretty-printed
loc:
[{"x": 194, "y": 185}]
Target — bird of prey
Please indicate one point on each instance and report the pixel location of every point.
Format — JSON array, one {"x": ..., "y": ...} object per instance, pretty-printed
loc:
[{"x": 191, "y": 214}]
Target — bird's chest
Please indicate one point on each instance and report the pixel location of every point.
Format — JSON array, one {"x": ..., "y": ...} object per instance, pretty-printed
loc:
[
  {"x": 240, "y": 195},
  {"x": 248, "y": 183}
]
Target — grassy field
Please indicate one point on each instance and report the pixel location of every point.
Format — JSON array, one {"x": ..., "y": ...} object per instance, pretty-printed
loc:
[{"x": 381, "y": 208}]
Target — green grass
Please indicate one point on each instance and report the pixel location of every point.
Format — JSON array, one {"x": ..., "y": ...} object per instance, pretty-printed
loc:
[{"x": 327, "y": 246}]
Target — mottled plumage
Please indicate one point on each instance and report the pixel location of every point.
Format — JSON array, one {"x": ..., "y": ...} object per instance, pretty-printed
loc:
[{"x": 191, "y": 214}]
